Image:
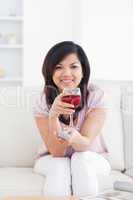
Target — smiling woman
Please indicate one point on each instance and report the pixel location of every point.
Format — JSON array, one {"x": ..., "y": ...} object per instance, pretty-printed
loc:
[
  {"x": 58, "y": 66},
  {"x": 82, "y": 155},
  {"x": 68, "y": 73}
]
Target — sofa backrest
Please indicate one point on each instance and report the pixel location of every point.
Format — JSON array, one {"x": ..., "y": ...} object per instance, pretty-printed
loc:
[
  {"x": 118, "y": 128},
  {"x": 127, "y": 115},
  {"x": 20, "y": 138},
  {"x": 113, "y": 128}
]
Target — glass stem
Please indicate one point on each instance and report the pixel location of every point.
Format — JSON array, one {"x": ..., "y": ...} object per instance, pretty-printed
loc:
[{"x": 71, "y": 121}]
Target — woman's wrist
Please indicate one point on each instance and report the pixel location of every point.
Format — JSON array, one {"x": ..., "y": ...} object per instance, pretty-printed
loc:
[
  {"x": 53, "y": 114},
  {"x": 74, "y": 135},
  {"x": 69, "y": 135}
]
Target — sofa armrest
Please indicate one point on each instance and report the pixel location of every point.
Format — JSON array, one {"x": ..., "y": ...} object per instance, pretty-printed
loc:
[
  {"x": 129, "y": 172},
  {"x": 127, "y": 116}
]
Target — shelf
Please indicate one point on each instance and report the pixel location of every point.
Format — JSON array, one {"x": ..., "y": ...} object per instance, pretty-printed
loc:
[
  {"x": 11, "y": 42},
  {"x": 11, "y": 18},
  {"x": 10, "y": 80},
  {"x": 11, "y": 46}
]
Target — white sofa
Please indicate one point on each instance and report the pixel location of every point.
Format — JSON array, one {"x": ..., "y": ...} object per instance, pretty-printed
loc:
[{"x": 20, "y": 139}]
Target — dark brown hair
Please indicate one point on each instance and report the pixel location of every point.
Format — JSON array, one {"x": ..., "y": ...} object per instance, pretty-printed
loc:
[{"x": 55, "y": 55}]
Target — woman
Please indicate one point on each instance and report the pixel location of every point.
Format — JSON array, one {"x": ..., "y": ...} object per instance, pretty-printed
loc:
[{"x": 72, "y": 164}]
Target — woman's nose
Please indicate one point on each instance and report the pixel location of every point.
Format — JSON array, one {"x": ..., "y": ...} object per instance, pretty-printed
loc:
[{"x": 67, "y": 71}]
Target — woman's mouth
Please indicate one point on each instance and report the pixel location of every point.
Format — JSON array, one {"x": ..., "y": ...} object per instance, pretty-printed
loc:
[{"x": 67, "y": 80}]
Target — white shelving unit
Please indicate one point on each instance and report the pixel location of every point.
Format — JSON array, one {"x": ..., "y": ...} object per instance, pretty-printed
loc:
[
  {"x": 11, "y": 46},
  {"x": 11, "y": 42},
  {"x": 11, "y": 18}
]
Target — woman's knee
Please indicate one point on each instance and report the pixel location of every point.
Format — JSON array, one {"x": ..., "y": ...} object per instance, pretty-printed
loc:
[
  {"x": 82, "y": 156},
  {"x": 91, "y": 161},
  {"x": 40, "y": 165},
  {"x": 78, "y": 163},
  {"x": 84, "y": 179},
  {"x": 78, "y": 158},
  {"x": 49, "y": 164}
]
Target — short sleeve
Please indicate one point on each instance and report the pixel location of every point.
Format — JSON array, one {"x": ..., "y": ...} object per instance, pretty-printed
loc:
[
  {"x": 97, "y": 98},
  {"x": 40, "y": 108}
]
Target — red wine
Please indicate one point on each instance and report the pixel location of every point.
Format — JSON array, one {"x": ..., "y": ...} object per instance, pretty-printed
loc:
[{"x": 72, "y": 99}]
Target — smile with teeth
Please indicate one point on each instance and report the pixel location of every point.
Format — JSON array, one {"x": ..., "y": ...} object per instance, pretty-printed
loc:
[{"x": 67, "y": 81}]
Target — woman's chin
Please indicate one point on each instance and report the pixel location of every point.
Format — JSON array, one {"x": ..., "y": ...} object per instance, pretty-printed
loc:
[{"x": 70, "y": 86}]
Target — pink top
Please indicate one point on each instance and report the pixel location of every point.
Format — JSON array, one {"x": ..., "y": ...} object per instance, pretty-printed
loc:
[{"x": 96, "y": 99}]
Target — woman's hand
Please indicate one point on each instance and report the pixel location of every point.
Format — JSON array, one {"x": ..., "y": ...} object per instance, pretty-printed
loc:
[
  {"x": 78, "y": 141},
  {"x": 60, "y": 107},
  {"x": 70, "y": 135},
  {"x": 74, "y": 136}
]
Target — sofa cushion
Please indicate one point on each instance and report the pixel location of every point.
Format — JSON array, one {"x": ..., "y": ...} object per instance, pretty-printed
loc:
[
  {"x": 23, "y": 182},
  {"x": 108, "y": 182},
  {"x": 20, "y": 182},
  {"x": 19, "y": 136}
]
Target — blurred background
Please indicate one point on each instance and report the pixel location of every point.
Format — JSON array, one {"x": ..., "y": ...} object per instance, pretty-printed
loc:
[{"x": 29, "y": 28}]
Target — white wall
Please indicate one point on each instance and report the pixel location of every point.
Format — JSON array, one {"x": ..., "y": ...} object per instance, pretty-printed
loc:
[
  {"x": 46, "y": 22},
  {"x": 107, "y": 36},
  {"x": 104, "y": 29}
]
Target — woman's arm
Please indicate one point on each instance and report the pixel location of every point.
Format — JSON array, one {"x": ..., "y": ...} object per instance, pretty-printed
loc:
[
  {"x": 48, "y": 127},
  {"x": 91, "y": 127}
]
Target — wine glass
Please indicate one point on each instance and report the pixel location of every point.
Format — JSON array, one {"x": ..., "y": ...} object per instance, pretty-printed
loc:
[{"x": 73, "y": 96}]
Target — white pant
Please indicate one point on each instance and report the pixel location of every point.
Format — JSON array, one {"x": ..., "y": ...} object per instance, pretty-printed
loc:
[{"x": 80, "y": 172}]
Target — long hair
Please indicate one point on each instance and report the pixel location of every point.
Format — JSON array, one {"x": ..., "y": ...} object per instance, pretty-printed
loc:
[{"x": 55, "y": 55}]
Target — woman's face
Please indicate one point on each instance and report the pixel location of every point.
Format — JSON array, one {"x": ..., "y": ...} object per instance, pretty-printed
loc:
[{"x": 68, "y": 73}]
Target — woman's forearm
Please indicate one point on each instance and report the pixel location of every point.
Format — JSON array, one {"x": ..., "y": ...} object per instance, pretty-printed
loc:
[
  {"x": 90, "y": 129},
  {"x": 54, "y": 125},
  {"x": 57, "y": 147}
]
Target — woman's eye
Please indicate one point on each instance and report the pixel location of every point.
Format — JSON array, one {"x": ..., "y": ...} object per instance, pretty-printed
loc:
[
  {"x": 74, "y": 66},
  {"x": 58, "y": 67}
]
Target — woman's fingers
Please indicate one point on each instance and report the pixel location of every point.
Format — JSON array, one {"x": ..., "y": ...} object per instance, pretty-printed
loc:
[
  {"x": 59, "y": 110},
  {"x": 61, "y": 107},
  {"x": 67, "y": 105}
]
